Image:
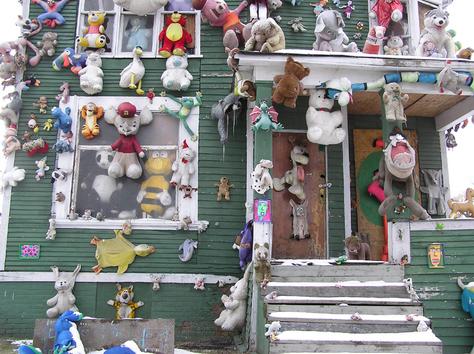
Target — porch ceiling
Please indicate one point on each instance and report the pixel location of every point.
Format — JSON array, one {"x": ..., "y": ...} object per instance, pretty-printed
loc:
[{"x": 419, "y": 105}]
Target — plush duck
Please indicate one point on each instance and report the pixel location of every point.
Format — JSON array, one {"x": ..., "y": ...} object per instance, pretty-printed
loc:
[{"x": 134, "y": 73}]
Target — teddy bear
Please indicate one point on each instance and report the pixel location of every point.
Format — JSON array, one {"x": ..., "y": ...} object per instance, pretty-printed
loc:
[
  {"x": 141, "y": 7},
  {"x": 223, "y": 189},
  {"x": 295, "y": 176},
  {"x": 127, "y": 147},
  {"x": 395, "y": 46},
  {"x": 47, "y": 46},
  {"x": 262, "y": 267},
  {"x": 435, "y": 41},
  {"x": 183, "y": 167},
  {"x": 288, "y": 85},
  {"x": 174, "y": 36},
  {"x": 94, "y": 34},
  {"x": 138, "y": 35},
  {"x": 266, "y": 37},
  {"x": 323, "y": 125},
  {"x": 91, "y": 76},
  {"x": 176, "y": 77},
  {"x": 394, "y": 100}
]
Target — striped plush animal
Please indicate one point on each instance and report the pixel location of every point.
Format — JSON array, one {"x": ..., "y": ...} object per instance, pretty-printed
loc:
[{"x": 124, "y": 305}]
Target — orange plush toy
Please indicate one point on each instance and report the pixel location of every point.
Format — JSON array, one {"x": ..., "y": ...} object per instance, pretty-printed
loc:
[
  {"x": 174, "y": 36},
  {"x": 288, "y": 85}
]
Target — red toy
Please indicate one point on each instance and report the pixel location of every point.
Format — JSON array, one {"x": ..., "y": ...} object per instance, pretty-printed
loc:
[
  {"x": 174, "y": 36},
  {"x": 386, "y": 11}
]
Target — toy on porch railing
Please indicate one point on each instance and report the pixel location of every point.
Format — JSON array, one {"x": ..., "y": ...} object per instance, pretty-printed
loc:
[
  {"x": 462, "y": 208},
  {"x": 330, "y": 36},
  {"x": 94, "y": 34},
  {"x": 395, "y": 46},
  {"x": 183, "y": 167},
  {"x": 261, "y": 179},
  {"x": 174, "y": 36},
  {"x": 295, "y": 176},
  {"x": 223, "y": 189},
  {"x": 64, "y": 300},
  {"x": 12, "y": 177},
  {"x": 52, "y": 8},
  {"x": 70, "y": 59},
  {"x": 358, "y": 247},
  {"x": 63, "y": 120},
  {"x": 393, "y": 100},
  {"x": 141, "y": 7},
  {"x": 186, "y": 104},
  {"x": 300, "y": 220},
  {"x": 47, "y": 45},
  {"x": 91, "y": 113},
  {"x": 467, "y": 297},
  {"x": 176, "y": 77},
  {"x": 133, "y": 73},
  {"x": 289, "y": 86},
  {"x": 386, "y": 11},
  {"x": 123, "y": 304},
  {"x": 127, "y": 147},
  {"x": 187, "y": 249},
  {"x": 91, "y": 76},
  {"x": 118, "y": 252},
  {"x": 266, "y": 36},
  {"x": 436, "y": 191},
  {"x": 265, "y": 118}
]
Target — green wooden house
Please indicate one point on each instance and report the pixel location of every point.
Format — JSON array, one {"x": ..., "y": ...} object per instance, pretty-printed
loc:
[{"x": 336, "y": 181}]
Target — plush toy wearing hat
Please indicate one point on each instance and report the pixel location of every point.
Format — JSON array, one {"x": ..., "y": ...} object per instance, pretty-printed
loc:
[{"x": 125, "y": 162}]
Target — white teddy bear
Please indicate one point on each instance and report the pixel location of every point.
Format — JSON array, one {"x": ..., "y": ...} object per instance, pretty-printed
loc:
[
  {"x": 323, "y": 124},
  {"x": 91, "y": 76},
  {"x": 176, "y": 77},
  {"x": 395, "y": 46},
  {"x": 183, "y": 166}
]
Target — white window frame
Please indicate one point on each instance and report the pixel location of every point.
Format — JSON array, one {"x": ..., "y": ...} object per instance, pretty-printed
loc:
[
  {"x": 119, "y": 12},
  {"x": 66, "y": 161}
]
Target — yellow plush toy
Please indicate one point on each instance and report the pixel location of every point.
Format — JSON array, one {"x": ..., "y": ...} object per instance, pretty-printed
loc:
[{"x": 94, "y": 34}]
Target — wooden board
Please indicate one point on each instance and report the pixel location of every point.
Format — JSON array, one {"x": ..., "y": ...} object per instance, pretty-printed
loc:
[{"x": 283, "y": 246}]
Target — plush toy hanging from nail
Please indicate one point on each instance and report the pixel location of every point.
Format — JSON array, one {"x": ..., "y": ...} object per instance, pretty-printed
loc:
[
  {"x": 134, "y": 73},
  {"x": 183, "y": 167},
  {"x": 91, "y": 77},
  {"x": 70, "y": 59},
  {"x": 52, "y": 8},
  {"x": 176, "y": 77},
  {"x": 265, "y": 118}
]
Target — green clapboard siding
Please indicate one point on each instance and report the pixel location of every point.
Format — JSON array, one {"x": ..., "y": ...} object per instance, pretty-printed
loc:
[{"x": 438, "y": 287}]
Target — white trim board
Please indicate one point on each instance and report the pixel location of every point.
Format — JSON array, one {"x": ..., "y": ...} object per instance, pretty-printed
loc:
[
  {"x": 449, "y": 224},
  {"x": 456, "y": 114}
]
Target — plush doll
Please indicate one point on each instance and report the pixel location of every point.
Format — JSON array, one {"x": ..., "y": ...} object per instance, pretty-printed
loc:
[
  {"x": 179, "y": 5},
  {"x": 450, "y": 80},
  {"x": 323, "y": 125},
  {"x": 329, "y": 33},
  {"x": 133, "y": 73},
  {"x": 52, "y": 8},
  {"x": 91, "y": 113},
  {"x": 67, "y": 338},
  {"x": 395, "y": 46},
  {"x": 12, "y": 177},
  {"x": 374, "y": 40},
  {"x": 127, "y": 147},
  {"x": 91, "y": 81},
  {"x": 64, "y": 300},
  {"x": 47, "y": 46},
  {"x": 123, "y": 304},
  {"x": 288, "y": 86},
  {"x": 138, "y": 35},
  {"x": 434, "y": 39},
  {"x": 262, "y": 180},
  {"x": 436, "y": 191},
  {"x": 141, "y": 7},
  {"x": 358, "y": 247},
  {"x": 63, "y": 119},
  {"x": 187, "y": 249},
  {"x": 300, "y": 220},
  {"x": 174, "y": 36},
  {"x": 246, "y": 245},
  {"x": 94, "y": 34},
  {"x": 42, "y": 168},
  {"x": 465, "y": 208},
  {"x": 261, "y": 266},
  {"x": 183, "y": 166},
  {"x": 295, "y": 176},
  {"x": 11, "y": 143},
  {"x": 223, "y": 189},
  {"x": 394, "y": 100},
  {"x": 264, "y": 118},
  {"x": 176, "y": 77},
  {"x": 228, "y": 107},
  {"x": 70, "y": 59},
  {"x": 386, "y": 11},
  {"x": 266, "y": 37}
]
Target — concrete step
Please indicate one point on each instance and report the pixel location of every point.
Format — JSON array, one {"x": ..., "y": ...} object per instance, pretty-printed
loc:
[
  {"x": 338, "y": 300},
  {"x": 347, "y": 309},
  {"x": 323, "y": 342}
]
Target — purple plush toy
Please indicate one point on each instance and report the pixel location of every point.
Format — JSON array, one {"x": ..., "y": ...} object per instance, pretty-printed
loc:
[{"x": 246, "y": 245}]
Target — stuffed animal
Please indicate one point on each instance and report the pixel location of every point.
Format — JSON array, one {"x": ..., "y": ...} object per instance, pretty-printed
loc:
[
  {"x": 51, "y": 232},
  {"x": 374, "y": 40},
  {"x": 141, "y": 7},
  {"x": 94, "y": 34},
  {"x": 228, "y": 107},
  {"x": 64, "y": 300},
  {"x": 28, "y": 27},
  {"x": 233, "y": 316},
  {"x": 47, "y": 46},
  {"x": 42, "y": 168},
  {"x": 261, "y": 266},
  {"x": 295, "y": 176},
  {"x": 339, "y": 90},
  {"x": 329, "y": 33},
  {"x": 51, "y": 16},
  {"x": 450, "y": 80},
  {"x": 63, "y": 96},
  {"x": 186, "y": 104},
  {"x": 266, "y": 37},
  {"x": 223, "y": 189},
  {"x": 179, "y": 5},
  {"x": 297, "y": 25},
  {"x": 91, "y": 76},
  {"x": 465, "y": 53},
  {"x": 67, "y": 338},
  {"x": 183, "y": 166},
  {"x": 123, "y": 304},
  {"x": 187, "y": 249},
  {"x": 70, "y": 59},
  {"x": 288, "y": 86},
  {"x": 436, "y": 191},
  {"x": 264, "y": 118},
  {"x": 138, "y": 35},
  {"x": 11, "y": 143},
  {"x": 465, "y": 208},
  {"x": 245, "y": 245},
  {"x": 395, "y": 46},
  {"x": 323, "y": 125},
  {"x": 64, "y": 144},
  {"x": 174, "y": 36},
  {"x": 467, "y": 297},
  {"x": 63, "y": 119},
  {"x": 42, "y": 104},
  {"x": 91, "y": 113},
  {"x": 300, "y": 220},
  {"x": 199, "y": 283},
  {"x": 357, "y": 247},
  {"x": 37, "y": 146},
  {"x": 12, "y": 177},
  {"x": 394, "y": 100},
  {"x": 133, "y": 73},
  {"x": 273, "y": 330},
  {"x": 176, "y": 77},
  {"x": 127, "y": 147},
  {"x": 262, "y": 180},
  {"x": 385, "y": 11},
  {"x": 434, "y": 40}
]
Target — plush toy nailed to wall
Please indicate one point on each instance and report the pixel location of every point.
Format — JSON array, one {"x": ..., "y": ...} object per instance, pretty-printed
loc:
[
  {"x": 262, "y": 267},
  {"x": 450, "y": 80},
  {"x": 395, "y": 46},
  {"x": 397, "y": 164},
  {"x": 141, "y": 7},
  {"x": 91, "y": 77},
  {"x": 11, "y": 142},
  {"x": 47, "y": 45},
  {"x": 199, "y": 283},
  {"x": 300, "y": 220},
  {"x": 288, "y": 85},
  {"x": 266, "y": 37},
  {"x": 94, "y": 34},
  {"x": 265, "y": 118},
  {"x": 233, "y": 316},
  {"x": 223, "y": 110},
  {"x": 70, "y": 59},
  {"x": 223, "y": 189},
  {"x": 386, "y": 11},
  {"x": 118, "y": 252},
  {"x": 176, "y": 77},
  {"x": 467, "y": 297},
  {"x": 245, "y": 245},
  {"x": 40, "y": 172},
  {"x": 187, "y": 249},
  {"x": 174, "y": 36},
  {"x": 138, "y": 34},
  {"x": 434, "y": 40},
  {"x": 436, "y": 191},
  {"x": 127, "y": 147},
  {"x": 67, "y": 338},
  {"x": 123, "y": 304},
  {"x": 133, "y": 73},
  {"x": 374, "y": 40},
  {"x": 297, "y": 25},
  {"x": 52, "y": 8},
  {"x": 323, "y": 125},
  {"x": 63, "y": 120},
  {"x": 12, "y": 177},
  {"x": 462, "y": 208},
  {"x": 91, "y": 113},
  {"x": 37, "y": 146},
  {"x": 295, "y": 176},
  {"x": 394, "y": 100},
  {"x": 42, "y": 104},
  {"x": 358, "y": 247},
  {"x": 183, "y": 166},
  {"x": 329, "y": 33},
  {"x": 261, "y": 179},
  {"x": 64, "y": 300}
]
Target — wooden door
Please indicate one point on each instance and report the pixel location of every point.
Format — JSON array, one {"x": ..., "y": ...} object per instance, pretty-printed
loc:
[{"x": 283, "y": 245}]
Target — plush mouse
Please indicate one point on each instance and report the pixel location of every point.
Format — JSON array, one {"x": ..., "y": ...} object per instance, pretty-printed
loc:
[{"x": 288, "y": 85}]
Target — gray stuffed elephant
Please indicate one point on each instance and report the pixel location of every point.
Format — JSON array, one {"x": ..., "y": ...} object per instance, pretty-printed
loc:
[{"x": 229, "y": 106}]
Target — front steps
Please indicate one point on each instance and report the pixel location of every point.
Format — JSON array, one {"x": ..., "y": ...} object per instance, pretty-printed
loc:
[{"x": 354, "y": 308}]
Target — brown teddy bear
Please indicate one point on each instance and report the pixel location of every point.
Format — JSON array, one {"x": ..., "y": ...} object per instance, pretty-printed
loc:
[
  {"x": 223, "y": 189},
  {"x": 47, "y": 45},
  {"x": 288, "y": 85}
]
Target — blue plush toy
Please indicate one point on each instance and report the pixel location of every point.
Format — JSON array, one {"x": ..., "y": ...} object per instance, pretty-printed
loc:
[
  {"x": 467, "y": 297},
  {"x": 67, "y": 335},
  {"x": 138, "y": 35},
  {"x": 28, "y": 349},
  {"x": 129, "y": 347},
  {"x": 69, "y": 59},
  {"x": 63, "y": 119}
]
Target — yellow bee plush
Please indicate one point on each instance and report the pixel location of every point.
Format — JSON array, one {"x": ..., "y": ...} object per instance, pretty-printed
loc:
[
  {"x": 124, "y": 305},
  {"x": 94, "y": 34}
]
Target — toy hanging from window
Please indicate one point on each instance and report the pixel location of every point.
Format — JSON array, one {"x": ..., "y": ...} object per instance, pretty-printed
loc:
[
  {"x": 91, "y": 81},
  {"x": 133, "y": 73},
  {"x": 52, "y": 8},
  {"x": 183, "y": 166},
  {"x": 174, "y": 36},
  {"x": 385, "y": 11},
  {"x": 91, "y": 113},
  {"x": 266, "y": 37},
  {"x": 123, "y": 304},
  {"x": 393, "y": 100},
  {"x": 141, "y": 7},
  {"x": 288, "y": 85},
  {"x": 329, "y": 33},
  {"x": 294, "y": 177},
  {"x": 64, "y": 300},
  {"x": 63, "y": 119},
  {"x": 70, "y": 59},
  {"x": 127, "y": 147},
  {"x": 94, "y": 34},
  {"x": 176, "y": 77},
  {"x": 138, "y": 35},
  {"x": 265, "y": 118}
]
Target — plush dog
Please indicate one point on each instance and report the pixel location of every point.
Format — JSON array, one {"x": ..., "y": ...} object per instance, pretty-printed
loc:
[
  {"x": 262, "y": 180},
  {"x": 358, "y": 247},
  {"x": 329, "y": 33},
  {"x": 176, "y": 77},
  {"x": 266, "y": 37},
  {"x": 91, "y": 76},
  {"x": 394, "y": 100},
  {"x": 183, "y": 166},
  {"x": 288, "y": 86},
  {"x": 462, "y": 208},
  {"x": 434, "y": 40},
  {"x": 124, "y": 305}
]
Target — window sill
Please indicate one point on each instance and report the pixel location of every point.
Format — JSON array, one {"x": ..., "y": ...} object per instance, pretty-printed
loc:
[
  {"x": 137, "y": 224},
  {"x": 144, "y": 56}
]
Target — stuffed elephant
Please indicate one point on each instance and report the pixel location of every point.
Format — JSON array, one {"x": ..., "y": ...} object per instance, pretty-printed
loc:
[
  {"x": 64, "y": 300},
  {"x": 229, "y": 106}
]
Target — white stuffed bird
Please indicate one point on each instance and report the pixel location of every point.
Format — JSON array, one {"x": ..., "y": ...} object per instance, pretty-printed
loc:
[{"x": 133, "y": 73}]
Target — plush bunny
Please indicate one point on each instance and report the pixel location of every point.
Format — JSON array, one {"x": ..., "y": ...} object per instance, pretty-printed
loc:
[{"x": 64, "y": 300}]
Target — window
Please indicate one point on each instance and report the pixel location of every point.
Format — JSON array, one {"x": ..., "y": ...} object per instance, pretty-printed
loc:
[
  {"x": 125, "y": 30},
  {"x": 149, "y": 201}
]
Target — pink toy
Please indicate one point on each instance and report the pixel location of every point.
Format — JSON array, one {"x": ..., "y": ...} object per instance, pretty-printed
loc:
[
  {"x": 374, "y": 40},
  {"x": 386, "y": 11},
  {"x": 374, "y": 189}
]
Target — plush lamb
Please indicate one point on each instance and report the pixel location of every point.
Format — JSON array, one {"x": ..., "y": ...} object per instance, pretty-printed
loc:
[
  {"x": 141, "y": 7},
  {"x": 323, "y": 124},
  {"x": 183, "y": 166},
  {"x": 262, "y": 180},
  {"x": 92, "y": 74},
  {"x": 176, "y": 77},
  {"x": 435, "y": 40},
  {"x": 266, "y": 37}
]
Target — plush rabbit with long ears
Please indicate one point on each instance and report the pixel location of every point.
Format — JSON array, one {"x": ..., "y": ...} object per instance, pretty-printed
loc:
[{"x": 64, "y": 300}]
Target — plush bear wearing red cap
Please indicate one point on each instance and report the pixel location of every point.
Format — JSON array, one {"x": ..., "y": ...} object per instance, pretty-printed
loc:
[
  {"x": 127, "y": 147},
  {"x": 174, "y": 36}
]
